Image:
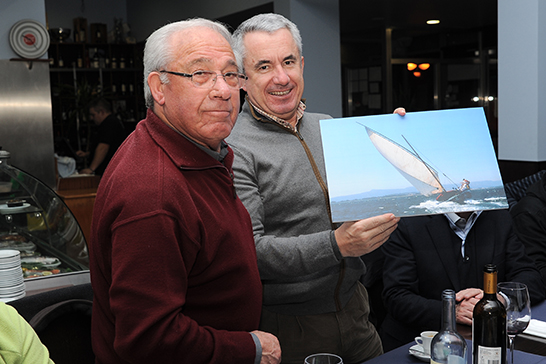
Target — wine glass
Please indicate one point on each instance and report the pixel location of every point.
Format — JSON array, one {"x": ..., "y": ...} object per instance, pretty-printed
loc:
[
  {"x": 323, "y": 358},
  {"x": 515, "y": 298}
]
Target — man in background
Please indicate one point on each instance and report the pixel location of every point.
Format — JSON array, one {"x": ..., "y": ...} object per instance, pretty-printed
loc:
[
  {"x": 529, "y": 215},
  {"x": 428, "y": 254},
  {"x": 172, "y": 256},
  {"x": 110, "y": 135},
  {"x": 310, "y": 268}
]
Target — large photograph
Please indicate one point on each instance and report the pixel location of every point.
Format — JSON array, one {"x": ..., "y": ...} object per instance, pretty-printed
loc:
[{"x": 423, "y": 163}]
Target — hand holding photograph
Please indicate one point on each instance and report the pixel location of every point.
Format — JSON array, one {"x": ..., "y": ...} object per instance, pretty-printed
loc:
[{"x": 423, "y": 163}]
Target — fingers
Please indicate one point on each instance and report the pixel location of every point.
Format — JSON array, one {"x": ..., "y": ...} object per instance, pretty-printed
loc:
[
  {"x": 464, "y": 312},
  {"x": 364, "y": 236},
  {"x": 468, "y": 293},
  {"x": 400, "y": 111}
]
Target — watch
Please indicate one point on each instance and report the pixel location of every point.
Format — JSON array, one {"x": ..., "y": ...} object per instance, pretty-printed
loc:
[{"x": 29, "y": 39}]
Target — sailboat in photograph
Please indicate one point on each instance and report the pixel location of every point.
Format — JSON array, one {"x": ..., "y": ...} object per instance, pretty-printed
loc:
[{"x": 419, "y": 173}]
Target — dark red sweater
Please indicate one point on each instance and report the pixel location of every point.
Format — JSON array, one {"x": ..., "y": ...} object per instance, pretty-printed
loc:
[{"x": 172, "y": 256}]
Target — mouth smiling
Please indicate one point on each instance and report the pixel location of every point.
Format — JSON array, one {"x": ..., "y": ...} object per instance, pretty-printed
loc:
[{"x": 279, "y": 93}]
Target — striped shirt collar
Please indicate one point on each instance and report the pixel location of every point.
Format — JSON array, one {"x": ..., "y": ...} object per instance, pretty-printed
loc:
[
  {"x": 299, "y": 114},
  {"x": 462, "y": 232}
]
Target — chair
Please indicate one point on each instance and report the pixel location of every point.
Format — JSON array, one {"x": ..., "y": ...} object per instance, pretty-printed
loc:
[
  {"x": 62, "y": 320},
  {"x": 517, "y": 189}
]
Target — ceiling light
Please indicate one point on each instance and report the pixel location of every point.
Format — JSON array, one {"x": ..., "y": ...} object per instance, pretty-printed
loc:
[
  {"x": 433, "y": 21},
  {"x": 411, "y": 66},
  {"x": 417, "y": 74},
  {"x": 424, "y": 66}
]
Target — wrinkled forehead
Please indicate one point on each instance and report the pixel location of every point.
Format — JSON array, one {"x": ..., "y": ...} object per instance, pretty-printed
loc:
[{"x": 203, "y": 47}]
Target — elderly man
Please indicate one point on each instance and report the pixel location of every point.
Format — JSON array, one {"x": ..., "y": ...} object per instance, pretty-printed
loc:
[
  {"x": 310, "y": 268},
  {"x": 110, "y": 135},
  {"x": 172, "y": 256}
]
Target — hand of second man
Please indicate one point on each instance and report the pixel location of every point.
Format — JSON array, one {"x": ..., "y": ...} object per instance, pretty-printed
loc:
[{"x": 361, "y": 237}]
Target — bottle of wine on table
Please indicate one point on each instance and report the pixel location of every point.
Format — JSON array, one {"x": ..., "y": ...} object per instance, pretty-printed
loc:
[
  {"x": 489, "y": 335},
  {"x": 448, "y": 346}
]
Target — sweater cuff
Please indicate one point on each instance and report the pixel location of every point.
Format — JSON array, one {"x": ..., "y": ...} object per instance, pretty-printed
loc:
[
  {"x": 258, "y": 349},
  {"x": 335, "y": 248}
]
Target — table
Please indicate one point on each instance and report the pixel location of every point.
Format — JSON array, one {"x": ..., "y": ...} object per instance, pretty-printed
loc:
[
  {"x": 530, "y": 343},
  {"x": 401, "y": 355},
  {"x": 529, "y": 349}
]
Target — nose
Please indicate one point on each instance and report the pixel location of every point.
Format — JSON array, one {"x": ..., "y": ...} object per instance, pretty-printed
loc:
[
  {"x": 220, "y": 88},
  {"x": 281, "y": 76}
]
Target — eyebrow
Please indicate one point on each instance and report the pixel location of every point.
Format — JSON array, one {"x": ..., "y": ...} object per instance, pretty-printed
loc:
[{"x": 266, "y": 61}]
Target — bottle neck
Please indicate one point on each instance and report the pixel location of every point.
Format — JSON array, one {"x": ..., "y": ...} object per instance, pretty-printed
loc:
[
  {"x": 448, "y": 313},
  {"x": 490, "y": 283}
]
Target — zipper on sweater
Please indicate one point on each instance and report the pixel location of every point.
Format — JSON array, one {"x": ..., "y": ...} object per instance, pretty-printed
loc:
[{"x": 327, "y": 201}]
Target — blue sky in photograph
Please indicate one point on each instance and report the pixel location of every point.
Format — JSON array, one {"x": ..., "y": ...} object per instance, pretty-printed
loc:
[{"x": 455, "y": 142}]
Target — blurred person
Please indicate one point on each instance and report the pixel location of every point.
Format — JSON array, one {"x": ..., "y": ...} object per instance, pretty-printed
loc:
[
  {"x": 428, "y": 254},
  {"x": 110, "y": 134},
  {"x": 529, "y": 215},
  {"x": 172, "y": 256},
  {"x": 310, "y": 267},
  {"x": 19, "y": 343}
]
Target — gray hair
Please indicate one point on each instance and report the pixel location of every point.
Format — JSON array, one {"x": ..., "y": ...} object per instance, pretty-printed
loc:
[
  {"x": 269, "y": 23},
  {"x": 158, "y": 52}
]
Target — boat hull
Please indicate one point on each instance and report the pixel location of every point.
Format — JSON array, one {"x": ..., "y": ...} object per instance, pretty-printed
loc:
[{"x": 454, "y": 195}]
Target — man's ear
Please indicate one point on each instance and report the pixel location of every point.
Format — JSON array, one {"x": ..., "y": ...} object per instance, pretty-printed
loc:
[{"x": 156, "y": 87}]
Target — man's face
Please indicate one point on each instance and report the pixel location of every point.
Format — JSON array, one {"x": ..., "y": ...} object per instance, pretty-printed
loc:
[
  {"x": 96, "y": 116},
  {"x": 205, "y": 114},
  {"x": 274, "y": 68}
]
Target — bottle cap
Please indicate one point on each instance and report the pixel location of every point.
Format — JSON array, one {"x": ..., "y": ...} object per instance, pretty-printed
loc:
[{"x": 490, "y": 268}]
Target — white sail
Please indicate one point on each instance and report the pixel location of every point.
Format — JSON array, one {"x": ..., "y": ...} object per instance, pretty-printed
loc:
[{"x": 421, "y": 175}]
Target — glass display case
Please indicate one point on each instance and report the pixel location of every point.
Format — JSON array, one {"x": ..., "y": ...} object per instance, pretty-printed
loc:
[{"x": 36, "y": 221}]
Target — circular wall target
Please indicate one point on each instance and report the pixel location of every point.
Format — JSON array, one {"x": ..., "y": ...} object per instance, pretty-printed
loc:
[{"x": 29, "y": 39}]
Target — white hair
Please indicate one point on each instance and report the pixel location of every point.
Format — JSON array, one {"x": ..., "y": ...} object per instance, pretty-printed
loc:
[
  {"x": 269, "y": 23},
  {"x": 158, "y": 52}
]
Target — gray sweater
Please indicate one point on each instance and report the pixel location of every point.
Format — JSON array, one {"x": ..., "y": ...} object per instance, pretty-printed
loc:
[{"x": 300, "y": 264}]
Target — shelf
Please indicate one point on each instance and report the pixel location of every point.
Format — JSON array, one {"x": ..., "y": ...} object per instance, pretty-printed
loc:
[
  {"x": 87, "y": 73},
  {"x": 70, "y": 69}
]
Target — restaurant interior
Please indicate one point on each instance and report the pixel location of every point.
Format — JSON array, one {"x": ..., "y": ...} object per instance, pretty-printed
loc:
[{"x": 367, "y": 58}]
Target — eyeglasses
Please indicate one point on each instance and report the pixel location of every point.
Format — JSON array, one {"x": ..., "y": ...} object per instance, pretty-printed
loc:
[{"x": 206, "y": 79}]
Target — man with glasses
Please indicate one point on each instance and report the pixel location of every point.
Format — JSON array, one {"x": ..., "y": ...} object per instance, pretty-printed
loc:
[
  {"x": 172, "y": 256},
  {"x": 310, "y": 268}
]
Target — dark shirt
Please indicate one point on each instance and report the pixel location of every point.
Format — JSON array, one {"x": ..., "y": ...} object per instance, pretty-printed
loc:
[
  {"x": 529, "y": 216},
  {"x": 111, "y": 132}
]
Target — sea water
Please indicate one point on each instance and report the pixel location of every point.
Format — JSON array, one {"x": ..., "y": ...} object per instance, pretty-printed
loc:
[{"x": 417, "y": 204}]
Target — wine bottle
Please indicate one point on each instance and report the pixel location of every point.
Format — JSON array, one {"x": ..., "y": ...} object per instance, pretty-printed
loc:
[
  {"x": 489, "y": 323},
  {"x": 448, "y": 346}
]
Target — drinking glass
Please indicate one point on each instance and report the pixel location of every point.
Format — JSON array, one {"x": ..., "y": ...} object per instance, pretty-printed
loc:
[
  {"x": 323, "y": 358},
  {"x": 515, "y": 297}
]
